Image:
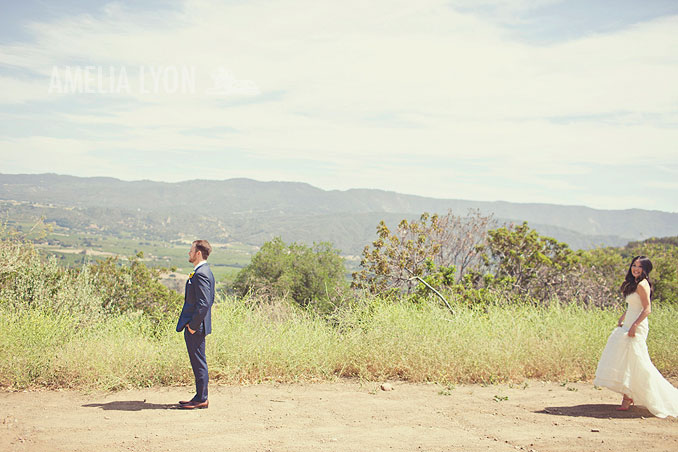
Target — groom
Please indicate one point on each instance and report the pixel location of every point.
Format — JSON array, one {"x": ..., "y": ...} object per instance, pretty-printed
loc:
[{"x": 196, "y": 320}]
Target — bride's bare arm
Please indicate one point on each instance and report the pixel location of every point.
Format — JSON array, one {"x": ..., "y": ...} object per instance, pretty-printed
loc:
[
  {"x": 620, "y": 322},
  {"x": 643, "y": 291}
]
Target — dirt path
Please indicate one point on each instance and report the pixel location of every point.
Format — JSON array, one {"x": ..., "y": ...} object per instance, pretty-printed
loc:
[{"x": 345, "y": 416}]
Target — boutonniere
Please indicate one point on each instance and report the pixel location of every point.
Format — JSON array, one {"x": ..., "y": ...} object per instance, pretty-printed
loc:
[{"x": 191, "y": 275}]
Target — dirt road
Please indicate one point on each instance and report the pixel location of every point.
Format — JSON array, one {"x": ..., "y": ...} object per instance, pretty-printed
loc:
[{"x": 344, "y": 416}]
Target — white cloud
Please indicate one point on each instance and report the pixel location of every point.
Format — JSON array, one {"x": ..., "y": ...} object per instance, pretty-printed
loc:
[
  {"x": 59, "y": 155},
  {"x": 363, "y": 88}
]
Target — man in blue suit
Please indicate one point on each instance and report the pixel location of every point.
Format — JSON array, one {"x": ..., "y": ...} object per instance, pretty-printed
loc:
[{"x": 196, "y": 320}]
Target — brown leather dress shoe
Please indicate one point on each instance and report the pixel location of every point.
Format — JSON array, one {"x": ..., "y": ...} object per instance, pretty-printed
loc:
[{"x": 194, "y": 405}]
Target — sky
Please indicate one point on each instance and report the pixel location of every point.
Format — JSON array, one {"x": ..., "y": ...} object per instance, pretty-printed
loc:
[{"x": 566, "y": 102}]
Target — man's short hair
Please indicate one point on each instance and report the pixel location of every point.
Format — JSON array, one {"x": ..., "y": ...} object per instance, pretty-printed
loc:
[{"x": 204, "y": 247}]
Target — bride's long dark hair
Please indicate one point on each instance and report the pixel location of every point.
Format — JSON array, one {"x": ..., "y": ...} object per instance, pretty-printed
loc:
[{"x": 630, "y": 284}]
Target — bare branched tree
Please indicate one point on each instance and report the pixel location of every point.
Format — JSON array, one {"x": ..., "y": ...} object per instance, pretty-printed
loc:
[{"x": 417, "y": 248}]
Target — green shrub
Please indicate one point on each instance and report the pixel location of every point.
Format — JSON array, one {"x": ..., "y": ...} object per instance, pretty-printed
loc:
[
  {"x": 134, "y": 287},
  {"x": 310, "y": 276}
]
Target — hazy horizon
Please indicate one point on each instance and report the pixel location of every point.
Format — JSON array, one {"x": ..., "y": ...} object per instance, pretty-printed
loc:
[{"x": 327, "y": 190}]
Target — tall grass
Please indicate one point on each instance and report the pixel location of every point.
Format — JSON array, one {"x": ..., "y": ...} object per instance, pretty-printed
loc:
[
  {"x": 58, "y": 331},
  {"x": 375, "y": 340}
]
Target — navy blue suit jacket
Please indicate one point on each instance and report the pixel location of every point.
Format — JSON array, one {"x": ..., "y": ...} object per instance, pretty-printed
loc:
[{"x": 198, "y": 300}]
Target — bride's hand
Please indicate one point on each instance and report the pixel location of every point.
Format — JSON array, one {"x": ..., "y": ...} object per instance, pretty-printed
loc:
[{"x": 632, "y": 331}]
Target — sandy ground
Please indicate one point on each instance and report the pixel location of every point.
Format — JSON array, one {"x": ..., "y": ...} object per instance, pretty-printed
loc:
[{"x": 344, "y": 416}]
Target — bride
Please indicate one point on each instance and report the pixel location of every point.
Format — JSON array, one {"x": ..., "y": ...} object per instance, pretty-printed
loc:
[{"x": 625, "y": 365}]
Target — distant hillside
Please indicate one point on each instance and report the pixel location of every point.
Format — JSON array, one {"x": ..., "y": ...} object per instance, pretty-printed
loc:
[{"x": 252, "y": 212}]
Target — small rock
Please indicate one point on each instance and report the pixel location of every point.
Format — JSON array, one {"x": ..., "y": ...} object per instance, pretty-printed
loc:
[
  {"x": 386, "y": 387},
  {"x": 595, "y": 430}
]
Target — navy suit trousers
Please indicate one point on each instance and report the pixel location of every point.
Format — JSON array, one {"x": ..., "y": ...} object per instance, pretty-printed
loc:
[{"x": 195, "y": 343}]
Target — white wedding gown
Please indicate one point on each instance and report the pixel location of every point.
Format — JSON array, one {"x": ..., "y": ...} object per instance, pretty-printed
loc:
[{"x": 625, "y": 366}]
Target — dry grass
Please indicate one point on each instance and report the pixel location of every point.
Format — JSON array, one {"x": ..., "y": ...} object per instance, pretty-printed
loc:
[{"x": 377, "y": 340}]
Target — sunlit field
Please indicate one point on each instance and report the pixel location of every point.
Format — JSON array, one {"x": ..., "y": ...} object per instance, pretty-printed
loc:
[{"x": 374, "y": 340}]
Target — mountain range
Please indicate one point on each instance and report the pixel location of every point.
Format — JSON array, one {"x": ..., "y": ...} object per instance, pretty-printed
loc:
[{"x": 249, "y": 211}]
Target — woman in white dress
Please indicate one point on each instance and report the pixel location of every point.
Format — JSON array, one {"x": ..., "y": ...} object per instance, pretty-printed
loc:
[{"x": 625, "y": 365}]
